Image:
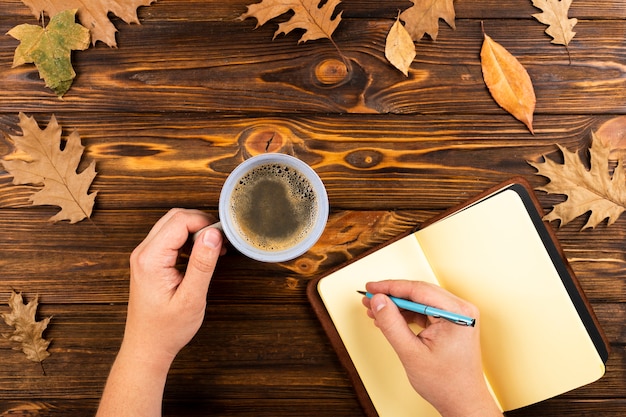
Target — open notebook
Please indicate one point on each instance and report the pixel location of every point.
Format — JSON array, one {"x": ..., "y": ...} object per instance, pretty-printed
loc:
[{"x": 539, "y": 335}]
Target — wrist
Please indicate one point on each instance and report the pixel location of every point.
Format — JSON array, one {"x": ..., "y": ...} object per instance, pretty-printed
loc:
[{"x": 148, "y": 358}]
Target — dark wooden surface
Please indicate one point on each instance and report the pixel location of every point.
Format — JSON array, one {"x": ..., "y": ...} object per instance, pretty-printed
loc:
[{"x": 191, "y": 92}]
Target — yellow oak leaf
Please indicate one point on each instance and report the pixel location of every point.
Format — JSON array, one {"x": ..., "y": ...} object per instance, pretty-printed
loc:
[
  {"x": 39, "y": 160},
  {"x": 399, "y": 47},
  {"x": 28, "y": 332},
  {"x": 508, "y": 82},
  {"x": 554, "y": 14},
  {"x": 592, "y": 190},
  {"x": 423, "y": 17},
  {"x": 50, "y": 48},
  {"x": 317, "y": 22},
  {"x": 93, "y": 14}
]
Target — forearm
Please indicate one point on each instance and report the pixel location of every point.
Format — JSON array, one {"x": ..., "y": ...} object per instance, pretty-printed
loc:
[{"x": 135, "y": 385}]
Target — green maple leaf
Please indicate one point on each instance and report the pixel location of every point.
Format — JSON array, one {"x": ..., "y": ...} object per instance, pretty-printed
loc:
[{"x": 50, "y": 48}]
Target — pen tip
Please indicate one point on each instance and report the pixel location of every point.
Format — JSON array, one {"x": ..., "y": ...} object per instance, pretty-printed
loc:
[{"x": 361, "y": 292}]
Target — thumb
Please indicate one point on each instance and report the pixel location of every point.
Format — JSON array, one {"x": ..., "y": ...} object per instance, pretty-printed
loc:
[
  {"x": 393, "y": 325},
  {"x": 202, "y": 262}
]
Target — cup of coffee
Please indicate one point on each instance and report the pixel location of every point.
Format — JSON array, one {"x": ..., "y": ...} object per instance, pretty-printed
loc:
[{"x": 273, "y": 207}]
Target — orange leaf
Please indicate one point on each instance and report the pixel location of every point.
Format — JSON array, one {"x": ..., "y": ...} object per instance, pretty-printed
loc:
[
  {"x": 612, "y": 134},
  {"x": 508, "y": 82}
]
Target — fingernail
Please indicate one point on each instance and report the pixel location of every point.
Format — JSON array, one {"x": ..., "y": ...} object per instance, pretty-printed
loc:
[
  {"x": 378, "y": 303},
  {"x": 212, "y": 238}
]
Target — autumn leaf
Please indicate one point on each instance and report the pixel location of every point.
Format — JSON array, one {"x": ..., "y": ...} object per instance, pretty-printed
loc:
[
  {"x": 40, "y": 161},
  {"x": 508, "y": 82},
  {"x": 93, "y": 14},
  {"x": 423, "y": 17},
  {"x": 28, "y": 332},
  {"x": 554, "y": 14},
  {"x": 50, "y": 49},
  {"x": 399, "y": 47},
  {"x": 318, "y": 22},
  {"x": 592, "y": 190},
  {"x": 612, "y": 134}
]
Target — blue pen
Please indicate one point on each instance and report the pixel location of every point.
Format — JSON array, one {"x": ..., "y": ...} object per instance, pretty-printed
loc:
[{"x": 428, "y": 310}]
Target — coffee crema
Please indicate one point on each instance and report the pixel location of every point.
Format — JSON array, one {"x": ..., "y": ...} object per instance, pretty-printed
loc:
[{"x": 273, "y": 207}]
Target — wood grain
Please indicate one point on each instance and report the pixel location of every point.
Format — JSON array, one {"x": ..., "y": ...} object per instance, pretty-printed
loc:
[{"x": 192, "y": 91}]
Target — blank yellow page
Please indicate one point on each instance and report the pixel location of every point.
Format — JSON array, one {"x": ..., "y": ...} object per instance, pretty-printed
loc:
[
  {"x": 534, "y": 344},
  {"x": 376, "y": 362}
]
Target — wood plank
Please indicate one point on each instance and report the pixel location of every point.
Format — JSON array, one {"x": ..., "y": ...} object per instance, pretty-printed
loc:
[
  {"x": 201, "y": 10},
  {"x": 244, "y": 70},
  {"x": 425, "y": 162},
  {"x": 250, "y": 352},
  {"x": 74, "y": 264},
  {"x": 192, "y": 91}
]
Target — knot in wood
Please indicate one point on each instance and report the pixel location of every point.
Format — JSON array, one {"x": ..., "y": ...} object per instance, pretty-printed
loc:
[
  {"x": 331, "y": 71},
  {"x": 263, "y": 141},
  {"x": 364, "y": 158}
]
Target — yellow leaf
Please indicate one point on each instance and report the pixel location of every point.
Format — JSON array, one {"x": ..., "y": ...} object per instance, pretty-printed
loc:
[
  {"x": 93, "y": 14},
  {"x": 554, "y": 14},
  {"x": 592, "y": 190},
  {"x": 28, "y": 332},
  {"x": 423, "y": 17},
  {"x": 508, "y": 82},
  {"x": 53, "y": 168},
  {"x": 399, "y": 47},
  {"x": 317, "y": 22}
]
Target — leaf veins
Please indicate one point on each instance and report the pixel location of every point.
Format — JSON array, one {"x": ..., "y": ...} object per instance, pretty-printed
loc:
[
  {"x": 318, "y": 22},
  {"x": 508, "y": 82},
  {"x": 93, "y": 14},
  {"x": 28, "y": 332},
  {"x": 592, "y": 190},
  {"x": 554, "y": 14},
  {"x": 423, "y": 17},
  {"x": 41, "y": 161},
  {"x": 50, "y": 49}
]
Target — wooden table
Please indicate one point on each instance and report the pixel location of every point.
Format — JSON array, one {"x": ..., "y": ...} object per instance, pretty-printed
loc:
[{"x": 191, "y": 92}]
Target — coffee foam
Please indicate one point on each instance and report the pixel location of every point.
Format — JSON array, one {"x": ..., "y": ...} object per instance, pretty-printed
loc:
[{"x": 299, "y": 195}]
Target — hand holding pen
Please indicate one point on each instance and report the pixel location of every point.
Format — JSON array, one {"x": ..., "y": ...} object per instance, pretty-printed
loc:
[{"x": 443, "y": 361}]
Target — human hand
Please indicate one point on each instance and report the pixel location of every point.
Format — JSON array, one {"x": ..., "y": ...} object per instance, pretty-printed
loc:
[
  {"x": 166, "y": 307},
  {"x": 165, "y": 310},
  {"x": 443, "y": 362}
]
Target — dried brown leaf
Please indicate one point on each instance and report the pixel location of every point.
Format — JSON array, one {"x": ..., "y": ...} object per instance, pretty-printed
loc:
[
  {"x": 93, "y": 14},
  {"x": 28, "y": 332},
  {"x": 612, "y": 134},
  {"x": 508, "y": 82},
  {"x": 554, "y": 14},
  {"x": 423, "y": 17},
  {"x": 399, "y": 47},
  {"x": 39, "y": 160},
  {"x": 592, "y": 190},
  {"x": 317, "y": 22}
]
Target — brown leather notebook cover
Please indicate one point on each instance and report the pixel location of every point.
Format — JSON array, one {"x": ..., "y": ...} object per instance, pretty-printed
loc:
[{"x": 552, "y": 245}]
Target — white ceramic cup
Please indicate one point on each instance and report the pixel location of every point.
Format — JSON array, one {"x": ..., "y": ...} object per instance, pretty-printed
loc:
[{"x": 273, "y": 207}]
